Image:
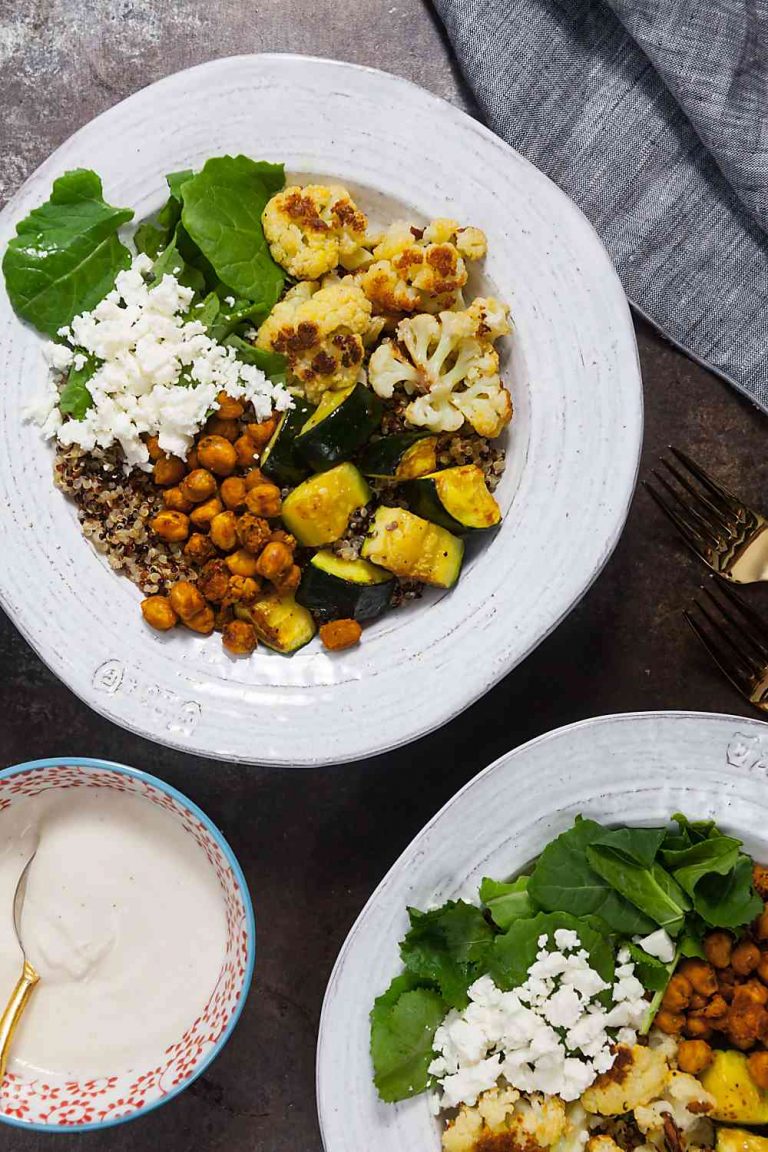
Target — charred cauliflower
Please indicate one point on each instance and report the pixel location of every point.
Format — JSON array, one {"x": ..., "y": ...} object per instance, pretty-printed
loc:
[
  {"x": 450, "y": 364},
  {"x": 638, "y": 1076},
  {"x": 536, "y": 1123},
  {"x": 320, "y": 331},
  {"x": 311, "y": 230},
  {"x": 687, "y": 1103},
  {"x": 421, "y": 269}
]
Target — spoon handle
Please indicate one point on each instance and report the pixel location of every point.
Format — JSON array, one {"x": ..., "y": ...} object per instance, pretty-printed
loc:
[{"x": 13, "y": 1012}]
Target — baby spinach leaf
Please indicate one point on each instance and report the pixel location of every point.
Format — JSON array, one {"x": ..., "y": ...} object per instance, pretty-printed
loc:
[
  {"x": 514, "y": 952},
  {"x": 638, "y": 845},
  {"x": 652, "y": 890},
  {"x": 75, "y": 398},
  {"x": 652, "y": 973},
  {"x": 149, "y": 239},
  {"x": 66, "y": 253},
  {"x": 449, "y": 946},
  {"x": 222, "y": 207},
  {"x": 564, "y": 881},
  {"x": 403, "y": 1025},
  {"x": 716, "y": 855},
  {"x": 272, "y": 364},
  {"x": 507, "y": 902},
  {"x": 728, "y": 901},
  {"x": 171, "y": 262},
  {"x": 206, "y": 311},
  {"x": 175, "y": 181}
]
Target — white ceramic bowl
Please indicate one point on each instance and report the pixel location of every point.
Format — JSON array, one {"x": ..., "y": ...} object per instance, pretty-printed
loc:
[
  {"x": 64, "y": 1103},
  {"x": 636, "y": 768},
  {"x": 572, "y": 449}
]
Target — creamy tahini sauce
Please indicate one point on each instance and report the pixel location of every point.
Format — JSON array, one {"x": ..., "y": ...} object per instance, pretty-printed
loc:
[{"x": 123, "y": 919}]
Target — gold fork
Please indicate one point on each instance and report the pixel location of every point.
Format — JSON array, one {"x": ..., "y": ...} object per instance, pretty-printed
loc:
[
  {"x": 727, "y": 535},
  {"x": 736, "y": 638}
]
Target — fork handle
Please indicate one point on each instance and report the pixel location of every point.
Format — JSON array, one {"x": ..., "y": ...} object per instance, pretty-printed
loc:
[{"x": 14, "y": 1009}]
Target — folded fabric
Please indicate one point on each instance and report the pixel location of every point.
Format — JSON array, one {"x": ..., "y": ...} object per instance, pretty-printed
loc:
[{"x": 653, "y": 116}]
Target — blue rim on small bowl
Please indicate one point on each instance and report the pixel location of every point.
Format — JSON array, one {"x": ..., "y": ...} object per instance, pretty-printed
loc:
[{"x": 90, "y": 763}]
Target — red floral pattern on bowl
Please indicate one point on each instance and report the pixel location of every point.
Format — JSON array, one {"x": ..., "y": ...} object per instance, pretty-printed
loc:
[{"x": 58, "y": 1102}]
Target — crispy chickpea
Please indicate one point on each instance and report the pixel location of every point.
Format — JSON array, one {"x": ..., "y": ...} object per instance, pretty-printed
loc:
[
  {"x": 264, "y": 500},
  {"x": 242, "y": 563},
  {"x": 158, "y": 613},
  {"x": 239, "y": 637},
  {"x": 214, "y": 581},
  {"x": 278, "y": 536},
  {"x": 202, "y": 515},
  {"x": 199, "y": 485},
  {"x": 252, "y": 532},
  {"x": 745, "y": 958},
  {"x": 762, "y": 968},
  {"x": 193, "y": 461},
  {"x": 669, "y": 1022},
  {"x": 154, "y": 449},
  {"x": 222, "y": 614},
  {"x": 199, "y": 548},
  {"x": 229, "y": 408},
  {"x": 758, "y": 1068},
  {"x": 697, "y": 1027},
  {"x": 760, "y": 880},
  {"x": 232, "y": 493},
  {"x": 186, "y": 600},
  {"x": 701, "y": 976},
  {"x": 697, "y": 1002},
  {"x": 747, "y": 1017},
  {"x": 288, "y": 581},
  {"x": 170, "y": 525},
  {"x": 273, "y": 561},
  {"x": 168, "y": 470},
  {"x": 678, "y": 994},
  {"x": 718, "y": 947},
  {"x": 224, "y": 531},
  {"x": 203, "y": 622},
  {"x": 761, "y": 925},
  {"x": 758, "y": 993},
  {"x": 243, "y": 590},
  {"x": 217, "y": 426},
  {"x": 338, "y": 634},
  {"x": 716, "y": 1008},
  {"x": 693, "y": 1056},
  {"x": 217, "y": 454},
  {"x": 254, "y": 477},
  {"x": 174, "y": 498},
  {"x": 261, "y": 434},
  {"x": 246, "y": 451}
]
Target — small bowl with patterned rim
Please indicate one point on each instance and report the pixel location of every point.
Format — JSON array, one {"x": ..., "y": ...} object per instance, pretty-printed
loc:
[{"x": 63, "y": 1103}]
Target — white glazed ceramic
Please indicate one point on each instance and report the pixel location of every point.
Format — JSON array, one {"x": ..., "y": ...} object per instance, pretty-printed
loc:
[
  {"x": 639, "y": 768},
  {"x": 573, "y": 447},
  {"x": 53, "y": 1103}
]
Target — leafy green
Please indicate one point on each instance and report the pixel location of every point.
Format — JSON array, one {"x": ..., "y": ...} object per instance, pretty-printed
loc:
[
  {"x": 175, "y": 181},
  {"x": 728, "y": 901},
  {"x": 689, "y": 865},
  {"x": 272, "y": 364},
  {"x": 563, "y": 880},
  {"x": 66, "y": 253},
  {"x": 638, "y": 845},
  {"x": 75, "y": 398},
  {"x": 172, "y": 262},
  {"x": 152, "y": 237},
  {"x": 515, "y": 951},
  {"x": 449, "y": 947},
  {"x": 652, "y": 890},
  {"x": 403, "y": 1025},
  {"x": 652, "y": 973},
  {"x": 507, "y": 902},
  {"x": 149, "y": 239},
  {"x": 221, "y": 213},
  {"x": 206, "y": 311}
]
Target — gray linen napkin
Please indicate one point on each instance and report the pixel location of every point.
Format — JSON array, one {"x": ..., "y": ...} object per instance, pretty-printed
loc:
[{"x": 653, "y": 116}]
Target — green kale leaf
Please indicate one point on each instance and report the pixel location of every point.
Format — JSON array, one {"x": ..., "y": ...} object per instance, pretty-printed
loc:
[
  {"x": 448, "y": 946},
  {"x": 403, "y": 1025},
  {"x": 515, "y": 951},
  {"x": 507, "y": 902}
]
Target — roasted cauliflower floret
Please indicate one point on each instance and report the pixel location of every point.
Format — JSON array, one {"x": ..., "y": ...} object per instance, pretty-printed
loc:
[
  {"x": 312, "y": 230},
  {"x": 450, "y": 364},
  {"x": 687, "y": 1103},
  {"x": 538, "y": 1122},
  {"x": 638, "y": 1076},
  {"x": 320, "y": 332},
  {"x": 421, "y": 269}
]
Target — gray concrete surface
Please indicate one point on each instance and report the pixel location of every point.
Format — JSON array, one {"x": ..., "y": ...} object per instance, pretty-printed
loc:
[{"x": 314, "y": 844}]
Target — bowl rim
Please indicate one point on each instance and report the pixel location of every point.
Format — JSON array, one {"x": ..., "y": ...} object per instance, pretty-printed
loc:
[{"x": 94, "y": 763}]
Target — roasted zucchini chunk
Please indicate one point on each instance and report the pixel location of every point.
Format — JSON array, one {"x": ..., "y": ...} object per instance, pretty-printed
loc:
[
  {"x": 413, "y": 548},
  {"x": 456, "y": 498},
  {"x": 400, "y": 457},
  {"x": 340, "y": 425},
  {"x": 280, "y": 460},
  {"x": 739, "y": 1100},
  {"x": 319, "y": 510},
  {"x": 336, "y": 589},
  {"x": 740, "y": 1140},
  {"x": 280, "y": 622}
]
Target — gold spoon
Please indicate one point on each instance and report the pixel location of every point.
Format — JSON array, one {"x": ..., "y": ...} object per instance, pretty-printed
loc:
[{"x": 9, "y": 1021}]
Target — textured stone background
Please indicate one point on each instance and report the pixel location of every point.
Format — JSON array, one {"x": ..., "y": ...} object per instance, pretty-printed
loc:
[{"x": 314, "y": 844}]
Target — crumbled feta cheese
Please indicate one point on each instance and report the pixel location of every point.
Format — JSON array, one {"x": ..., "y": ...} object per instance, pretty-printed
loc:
[
  {"x": 550, "y": 1035},
  {"x": 159, "y": 374},
  {"x": 229, "y": 301},
  {"x": 659, "y": 944}
]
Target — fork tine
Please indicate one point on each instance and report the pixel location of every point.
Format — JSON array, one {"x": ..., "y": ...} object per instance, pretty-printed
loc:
[
  {"x": 737, "y": 677},
  {"x": 727, "y": 521},
  {"x": 738, "y": 626},
  {"x": 734, "y": 640},
  {"x": 690, "y": 532},
  {"x": 758, "y": 633},
  {"x": 729, "y": 499},
  {"x": 691, "y": 507}
]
